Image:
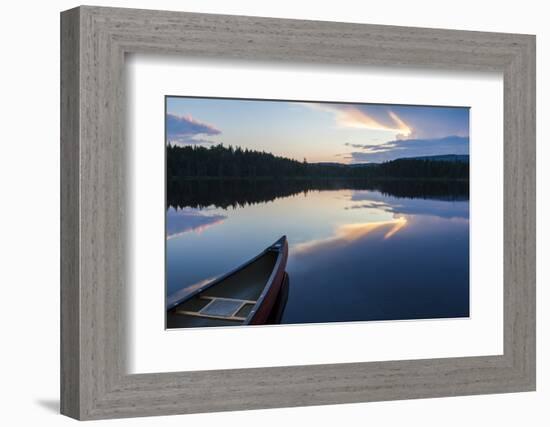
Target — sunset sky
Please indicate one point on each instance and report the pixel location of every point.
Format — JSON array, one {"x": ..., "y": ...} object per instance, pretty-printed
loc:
[{"x": 319, "y": 132}]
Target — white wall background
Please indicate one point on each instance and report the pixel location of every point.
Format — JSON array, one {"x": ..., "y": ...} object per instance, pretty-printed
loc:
[{"x": 29, "y": 216}]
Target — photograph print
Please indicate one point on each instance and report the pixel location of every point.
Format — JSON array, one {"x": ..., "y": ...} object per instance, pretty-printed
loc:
[{"x": 300, "y": 212}]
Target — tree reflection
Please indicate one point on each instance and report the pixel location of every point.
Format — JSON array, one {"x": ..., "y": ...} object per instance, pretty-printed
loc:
[{"x": 224, "y": 193}]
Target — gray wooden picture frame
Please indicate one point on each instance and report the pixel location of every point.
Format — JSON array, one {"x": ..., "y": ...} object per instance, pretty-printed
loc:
[{"x": 94, "y": 41}]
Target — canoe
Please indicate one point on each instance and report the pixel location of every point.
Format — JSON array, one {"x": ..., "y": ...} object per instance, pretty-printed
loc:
[
  {"x": 244, "y": 296},
  {"x": 279, "y": 308}
]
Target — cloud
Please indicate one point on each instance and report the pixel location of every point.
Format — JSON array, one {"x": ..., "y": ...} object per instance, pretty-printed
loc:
[
  {"x": 373, "y": 148},
  {"x": 373, "y": 117},
  {"x": 399, "y": 121},
  {"x": 184, "y": 130},
  {"x": 408, "y": 148}
]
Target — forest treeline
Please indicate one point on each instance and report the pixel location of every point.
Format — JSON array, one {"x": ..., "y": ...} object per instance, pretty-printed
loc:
[{"x": 218, "y": 161}]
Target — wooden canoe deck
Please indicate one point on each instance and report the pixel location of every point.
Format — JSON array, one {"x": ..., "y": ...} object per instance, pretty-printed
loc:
[{"x": 221, "y": 308}]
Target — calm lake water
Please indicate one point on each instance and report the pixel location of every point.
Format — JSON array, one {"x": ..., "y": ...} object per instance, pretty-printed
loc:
[{"x": 355, "y": 254}]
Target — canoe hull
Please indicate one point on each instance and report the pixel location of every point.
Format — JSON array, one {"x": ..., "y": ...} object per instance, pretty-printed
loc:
[{"x": 265, "y": 309}]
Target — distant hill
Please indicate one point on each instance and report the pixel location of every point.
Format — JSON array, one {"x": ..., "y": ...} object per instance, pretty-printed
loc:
[
  {"x": 330, "y": 164},
  {"x": 363, "y": 165},
  {"x": 344, "y": 165},
  {"x": 464, "y": 158},
  {"x": 445, "y": 158}
]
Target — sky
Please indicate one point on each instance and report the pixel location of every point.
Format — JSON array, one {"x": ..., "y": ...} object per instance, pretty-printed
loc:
[{"x": 319, "y": 131}]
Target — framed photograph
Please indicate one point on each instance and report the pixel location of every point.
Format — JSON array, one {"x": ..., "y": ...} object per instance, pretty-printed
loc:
[
  {"x": 262, "y": 213},
  {"x": 255, "y": 236}
]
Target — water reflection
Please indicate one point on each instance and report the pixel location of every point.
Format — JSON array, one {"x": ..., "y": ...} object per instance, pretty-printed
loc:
[
  {"x": 241, "y": 192},
  {"x": 356, "y": 252},
  {"x": 179, "y": 221},
  {"x": 348, "y": 233}
]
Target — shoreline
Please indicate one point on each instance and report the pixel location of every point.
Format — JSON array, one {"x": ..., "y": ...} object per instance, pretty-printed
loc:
[{"x": 313, "y": 178}]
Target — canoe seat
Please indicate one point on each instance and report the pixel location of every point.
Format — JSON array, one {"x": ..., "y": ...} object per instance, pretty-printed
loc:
[{"x": 221, "y": 308}]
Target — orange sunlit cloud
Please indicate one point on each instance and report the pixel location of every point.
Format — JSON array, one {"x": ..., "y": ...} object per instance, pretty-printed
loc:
[
  {"x": 358, "y": 119},
  {"x": 406, "y": 131},
  {"x": 350, "y": 116}
]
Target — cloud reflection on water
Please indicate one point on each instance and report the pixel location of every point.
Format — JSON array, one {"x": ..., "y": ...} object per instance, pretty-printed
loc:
[
  {"x": 184, "y": 220},
  {"x": 410, "y": 206},
  {"x": 348, "y": 233}
]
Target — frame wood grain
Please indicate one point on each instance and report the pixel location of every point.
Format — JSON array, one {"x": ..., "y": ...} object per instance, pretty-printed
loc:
[{"x": 94, "y": 41}]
